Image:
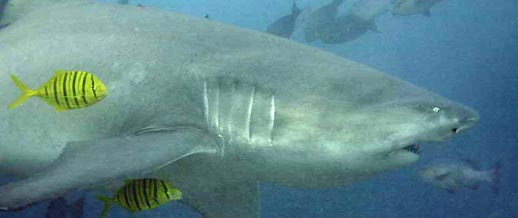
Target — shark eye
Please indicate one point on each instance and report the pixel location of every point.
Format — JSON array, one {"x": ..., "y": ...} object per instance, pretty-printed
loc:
[{"x": 436, "y": 109}]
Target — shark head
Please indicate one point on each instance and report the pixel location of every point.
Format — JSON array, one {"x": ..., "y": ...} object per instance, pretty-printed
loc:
[
  {"x": 401, "y": 127},
  {"x": 349, "y": 135}
]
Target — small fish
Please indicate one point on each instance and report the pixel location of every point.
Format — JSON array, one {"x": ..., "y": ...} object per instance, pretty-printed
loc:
[
  {"x": 452, "y": 174},
  {"x": 66, "y": 90},
  {"x": 141, "y": 194},
  {"x": 58, "y": 208}
]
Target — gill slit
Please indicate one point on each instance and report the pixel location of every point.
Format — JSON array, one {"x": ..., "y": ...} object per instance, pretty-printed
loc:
[
  {"x": 249, "y": 114},
  {"x": 216, "y": 108},
  {"x": 233, "y": 96},
  {"x": 272, "y": 118},
  {"x": 206, "y": 106}
]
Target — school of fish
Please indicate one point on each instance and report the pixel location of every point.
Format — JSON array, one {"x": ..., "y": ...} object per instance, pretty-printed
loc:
[{"x": 330, "y": 26}]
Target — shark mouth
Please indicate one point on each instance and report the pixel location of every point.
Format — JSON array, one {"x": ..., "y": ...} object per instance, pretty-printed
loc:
[{"x": 414, "y": 148}]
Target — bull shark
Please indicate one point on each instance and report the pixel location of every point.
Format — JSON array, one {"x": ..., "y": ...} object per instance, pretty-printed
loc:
[{"x": 213, "y": 108}]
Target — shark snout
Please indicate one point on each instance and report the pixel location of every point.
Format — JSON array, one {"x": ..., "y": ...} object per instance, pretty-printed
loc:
[{"x": 466, "y": 118}]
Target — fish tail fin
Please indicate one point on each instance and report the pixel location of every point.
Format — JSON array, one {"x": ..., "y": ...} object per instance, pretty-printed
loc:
[
  {"x": 26, "y": 92},
  {"x": 495, "y": 177},
  {"x": 107, "y": 205},
  {"x": 76, "y": 209}
]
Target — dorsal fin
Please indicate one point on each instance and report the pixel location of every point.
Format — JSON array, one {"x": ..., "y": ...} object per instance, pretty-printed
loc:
[
  {"x": 59, "y": 72},
  {"x": 295, "y": 9}
]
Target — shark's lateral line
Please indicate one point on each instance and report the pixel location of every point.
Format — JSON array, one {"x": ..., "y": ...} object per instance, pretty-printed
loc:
[{"x": 213, "y": 108}]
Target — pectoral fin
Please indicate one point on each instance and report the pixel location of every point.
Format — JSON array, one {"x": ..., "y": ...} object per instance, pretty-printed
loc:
[
  {"x": 231, "y": 200},
  {"x": 89, "y": 163}
]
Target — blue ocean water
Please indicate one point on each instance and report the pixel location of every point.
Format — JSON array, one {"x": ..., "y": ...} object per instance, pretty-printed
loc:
[{"x": 466, "y": 51}]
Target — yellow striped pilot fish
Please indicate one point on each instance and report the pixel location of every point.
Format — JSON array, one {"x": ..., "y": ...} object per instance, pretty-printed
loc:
[
  {"x": 141, "y": 194},
  {"x": 66, "y": 90}
]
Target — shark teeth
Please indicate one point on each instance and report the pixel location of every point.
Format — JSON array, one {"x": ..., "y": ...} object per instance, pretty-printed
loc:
[{"x": 414, "y": 148}]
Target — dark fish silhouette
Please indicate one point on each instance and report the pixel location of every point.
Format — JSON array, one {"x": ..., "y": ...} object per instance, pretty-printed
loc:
[
  {"x": 58, "y": 208},
  {"x": 359, "y": 20},
  {"x": 285, "y": 26},
  {"x": 320, "y": 20},
  {"x": 346, "y": 28}
]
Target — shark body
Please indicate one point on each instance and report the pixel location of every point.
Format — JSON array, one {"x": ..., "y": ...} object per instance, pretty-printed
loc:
[{"x": 213, "y": 108}]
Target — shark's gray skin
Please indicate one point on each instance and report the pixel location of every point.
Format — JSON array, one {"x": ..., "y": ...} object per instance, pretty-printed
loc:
[
  {"x": 213, "y": 108},
  {"x": 320, "y": 19},
  {"x": 411, "y": 7},
  {"x": 284, "y": 26},
  {"x": 13, "y": 9},
  {"x": 123, "y": 2}
]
